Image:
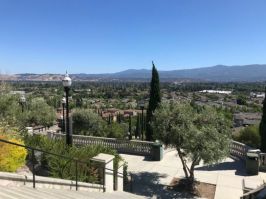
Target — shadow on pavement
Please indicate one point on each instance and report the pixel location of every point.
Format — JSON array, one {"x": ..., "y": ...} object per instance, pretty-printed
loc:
[
  {"x": 148, "y": 159},
  {"x": 147, "y": 184},
  {"x": 237, "y": 165}
]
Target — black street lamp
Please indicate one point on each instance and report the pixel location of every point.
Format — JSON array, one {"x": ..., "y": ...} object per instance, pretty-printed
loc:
[
  {"x": 67, "y": 83},
  {"x": 141, "y": 105},
  {"x": 130, "y": 129},
  {"x": 22, "y": 101},
  {"x": 63, "y": 106}
]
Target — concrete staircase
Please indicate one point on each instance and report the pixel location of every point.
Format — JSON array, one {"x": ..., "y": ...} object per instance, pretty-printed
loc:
[{"x": 23, "y": 192}]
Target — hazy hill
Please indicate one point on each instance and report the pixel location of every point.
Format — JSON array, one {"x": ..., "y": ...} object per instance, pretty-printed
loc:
[{"x": 219, "y": 73}]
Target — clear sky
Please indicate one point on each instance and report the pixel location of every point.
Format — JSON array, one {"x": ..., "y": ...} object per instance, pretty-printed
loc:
[{"x": 98, "y": 36}]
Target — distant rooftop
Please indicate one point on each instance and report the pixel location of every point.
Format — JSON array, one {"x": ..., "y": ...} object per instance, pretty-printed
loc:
[
  {"x": 17, "y": 92},
  {"x": 216, "y": 91}
]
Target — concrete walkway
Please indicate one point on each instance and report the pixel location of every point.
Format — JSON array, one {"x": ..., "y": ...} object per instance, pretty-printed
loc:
[{"x": 152, "y": 177}]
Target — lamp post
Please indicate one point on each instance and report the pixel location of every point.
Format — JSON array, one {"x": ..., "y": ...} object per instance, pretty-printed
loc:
[
  {"x": 67, "y": 83},
  {"x": 22, "y": 102},
  {"x": 130, "y": 129},
  {"x": 141, "y": 105},
  {"x": 63, "y": 105}
]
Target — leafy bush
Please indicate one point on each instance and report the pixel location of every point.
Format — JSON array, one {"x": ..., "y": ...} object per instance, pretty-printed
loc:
[
  {"x": 241, "y": 100},
  {"x": 116, "y": 130},
  {"x": 65, "y": 168},
  {"x": 11, "y": 157},
  {"x": 250, "y": 136},
  {"x": 86, "y": 122},
  {"x": 38, "y": 113},
  {"x": 10, "y": 109}
]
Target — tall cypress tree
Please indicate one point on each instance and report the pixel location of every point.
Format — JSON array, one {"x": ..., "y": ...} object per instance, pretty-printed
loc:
[
  {"x": 155, "y": 99},
  {"x": 263, "y": 127}
]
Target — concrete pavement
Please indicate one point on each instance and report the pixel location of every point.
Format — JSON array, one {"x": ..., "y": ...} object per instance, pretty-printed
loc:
[
  {"x": 24, "y": 192},
  {"x": 151, "y": 177}
]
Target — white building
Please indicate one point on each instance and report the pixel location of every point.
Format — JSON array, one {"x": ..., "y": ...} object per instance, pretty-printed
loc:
[
  {"x": 216, "y": 92},
  {"x": 257, "y": 95}
]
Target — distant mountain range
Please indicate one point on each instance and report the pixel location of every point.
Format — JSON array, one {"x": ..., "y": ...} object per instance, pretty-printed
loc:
[{"x": 219, "y": 73}]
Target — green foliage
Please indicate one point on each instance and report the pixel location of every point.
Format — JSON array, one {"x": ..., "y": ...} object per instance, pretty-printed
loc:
[
  {"x": 202, "y": 134},
  {"x": 11, "y": 157},
  {"x": 250, "y": 136},
  {"x": 65, "y": 168},
  {"x": 241, "y": 100},
  {"x": 226, "y": 112},
  {"x": 87, "y": 122},
  {"x": 38, "y": 112},
  {"x": 263, "y": 127},
  {"x": 54, "y": 101},
  {"x": 116, "y": 130},
  {"x": 255, "y": 107},
  {"x": 10, "y": 109},
  {"x": 212, "y": 97},
  {"x": 155, "y": 99}
]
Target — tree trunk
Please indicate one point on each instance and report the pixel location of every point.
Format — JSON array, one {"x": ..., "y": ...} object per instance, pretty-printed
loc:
[
  {"x": 192, "y": 168},
  {"x": 183, "y": 162}
]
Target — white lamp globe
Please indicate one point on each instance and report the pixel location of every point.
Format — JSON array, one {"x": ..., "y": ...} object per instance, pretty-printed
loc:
[
  {"x": 67, "y": 81},
  {"x": 23, "y": 99},
  {"x": 63, "y": 100}
]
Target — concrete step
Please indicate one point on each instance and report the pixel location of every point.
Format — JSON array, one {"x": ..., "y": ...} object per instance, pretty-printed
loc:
[{"x": 23, "y": 192}]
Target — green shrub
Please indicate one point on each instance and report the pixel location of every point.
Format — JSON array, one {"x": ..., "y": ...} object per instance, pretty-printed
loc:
[
  {"x": 65, "y": 168},
  {"x": 250, "y": 136},
  {"x": 11, "y": 157},
  {"x": 117, "y": 130},
  {"x": 86, "y": 122},
  {"x": 241, "y": 100}
]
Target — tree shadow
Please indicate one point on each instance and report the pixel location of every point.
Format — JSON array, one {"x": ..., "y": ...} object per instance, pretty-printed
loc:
[
  {"x": 148, "y": 184},
  {"x": 148, "y": 159},
  {"x": 237, "y": 165},
  {"x": 39, "y": 168}
]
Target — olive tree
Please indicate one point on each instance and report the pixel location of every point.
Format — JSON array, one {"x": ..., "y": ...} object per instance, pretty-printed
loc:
[
  {"x": 38, "y": 112},
  {"x": 250, "y": 136},
  {"x": 10, "y": 109},
  {"x": 116, "y": 130},
  {"x": 200, "y": 134},
  {"x": 86, "y": 122}
]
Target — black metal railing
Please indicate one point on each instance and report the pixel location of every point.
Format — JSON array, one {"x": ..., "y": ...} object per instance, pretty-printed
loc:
[
  {"x": 128, "y": 177},
  {"x": 76, "y": 161}
]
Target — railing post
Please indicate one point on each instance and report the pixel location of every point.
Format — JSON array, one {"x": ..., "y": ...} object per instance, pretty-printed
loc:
[
  {"x": 119, "y": 177},
  {"x": 131, "y": 182},
  {"x": 76, "y": 162},
  {"x": 103, "y": 176},
  {"x": 106, "y": 162},
  {"x": 33, "y": 168}
]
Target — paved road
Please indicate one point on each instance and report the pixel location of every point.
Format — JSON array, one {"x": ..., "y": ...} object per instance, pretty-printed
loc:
[{"x": 151, "y": 177}]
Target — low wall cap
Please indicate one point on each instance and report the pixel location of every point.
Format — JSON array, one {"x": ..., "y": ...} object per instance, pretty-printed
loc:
[
  {"x": 252, "y": 155},
  {"x": 102, "y": 157},
  {"x": 254, "y": 151}
]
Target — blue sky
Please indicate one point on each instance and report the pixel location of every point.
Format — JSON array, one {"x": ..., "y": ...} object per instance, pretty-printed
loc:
[{"x": 97, "y": 36}]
